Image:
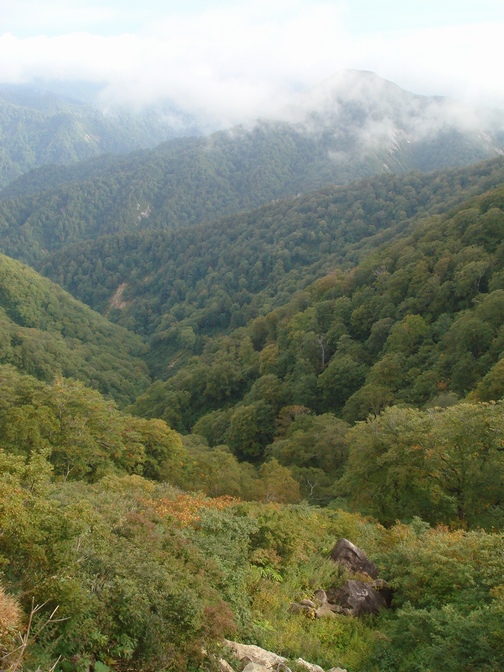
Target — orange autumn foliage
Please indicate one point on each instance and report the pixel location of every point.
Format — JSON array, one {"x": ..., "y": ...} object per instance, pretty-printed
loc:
[{"x": 185, "y": 509}]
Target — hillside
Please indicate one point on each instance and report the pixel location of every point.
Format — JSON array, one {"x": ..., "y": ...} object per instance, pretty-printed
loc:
[
  {"x": 107, "y": 569},
  {"x": 273, "y": 331},
  {"x": 48, "y": 334},
  {"x": 125, "y": 545},
  {"x": 146, "y": 577},
  {"x": 39, "y": 128},
  {"x": 418, "y": 322},
  {"x": 359, "y": 125},
  {"x": 218, "y": 276},
  {"x": 177, "y": 467}
]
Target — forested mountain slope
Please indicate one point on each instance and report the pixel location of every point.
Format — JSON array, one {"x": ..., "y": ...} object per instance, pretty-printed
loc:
[
  {"x": 419, "y": 321},
  {"x": 218, "y": 276},
  {"x": 358, "y": 125},
  {"x": 393, "y": 300},
  {"x": 38, "y": 128},
  {"x": 47, "y": 333},
  {"x": 343, "y": 347}
]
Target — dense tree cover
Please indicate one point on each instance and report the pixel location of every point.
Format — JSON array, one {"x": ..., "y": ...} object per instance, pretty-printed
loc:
[
  {"x": 81, "y": 435},
  {"x": 38, "y": 128},
  {"x": 47, "y": 333},
  {"x": 353, "y": 125},
  {"x": 418, "y": 322},
  {"x": 373, "y": 386},
  {"x": 218, "y": 276},
  {"x": 186, "y": 181},
  {"x": 84, "y": 437},
  {"x": 180, "y": 183},
  {"x": 444, "y": 465}
]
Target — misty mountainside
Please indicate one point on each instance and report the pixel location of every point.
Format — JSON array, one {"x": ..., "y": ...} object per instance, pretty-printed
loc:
[
  {"x": 354, "y": 125},
  {"x": 46, "y": 333},
  {"x": 39, "y": 127},
  {"x": 364, "y": 120}
]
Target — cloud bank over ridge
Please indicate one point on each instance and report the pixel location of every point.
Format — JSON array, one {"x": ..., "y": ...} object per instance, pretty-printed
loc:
[{"x": 231, "y": 63}]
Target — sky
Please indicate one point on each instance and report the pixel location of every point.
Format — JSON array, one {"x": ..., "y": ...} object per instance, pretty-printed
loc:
[{"x": 233, "y": 60}]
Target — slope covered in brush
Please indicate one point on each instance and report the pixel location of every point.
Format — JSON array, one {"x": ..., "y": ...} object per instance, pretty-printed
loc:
[
  {"x": 145, "y": 576},
  {"x": 47, "y": 333}
]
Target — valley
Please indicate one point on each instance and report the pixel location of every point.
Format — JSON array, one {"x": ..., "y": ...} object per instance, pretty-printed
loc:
[{"x": 221, "y": 355}]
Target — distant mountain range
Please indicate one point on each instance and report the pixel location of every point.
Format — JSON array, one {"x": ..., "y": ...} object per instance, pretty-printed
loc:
[
  {"x": 363, "y": 118},
  {"x": 352, "y": 125},
  {"x": 39, "y": 127}
]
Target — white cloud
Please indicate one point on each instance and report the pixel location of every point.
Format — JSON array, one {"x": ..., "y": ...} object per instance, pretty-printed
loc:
[
  {"x": 461, "y": 61},
  {"x": 244, "y": 60}
]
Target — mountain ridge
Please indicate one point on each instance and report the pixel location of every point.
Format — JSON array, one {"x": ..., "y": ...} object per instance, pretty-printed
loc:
[
  {"x": 186, "y": 181},
  {"x": 290, "y": 232},
  {"x": 40, "y": 128}
]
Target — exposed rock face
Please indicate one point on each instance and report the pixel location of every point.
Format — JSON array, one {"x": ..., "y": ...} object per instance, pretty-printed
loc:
[
  {"x": 255, "y": 655},
  {"x": 360, "y": 598},
  {"x": 385, "y": 590},
  {"x": 224, "y": 666},
  {"x": 351, "y": 557},
  {"x": 332, "y": 594},
  {"x": 320, "y": 596},
  {"x": 325, "y": 611},
  {"x": 311, "y": 667},
  {"x": 355, "y": 597},
  {"x": 255, "y": 667},
  {"x": 297, "y": 608},
  {"x": 255, "y": 659}
]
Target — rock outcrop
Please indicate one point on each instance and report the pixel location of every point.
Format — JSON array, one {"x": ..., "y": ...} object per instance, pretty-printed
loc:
[
  {"x": 353, "y": 559},
  {"x": 311, "y": 667},
  {"x": 365, "y": 594},
  {"x": 355, "y": 597},
  {"x": 255, "y": 654},
  {"x": 224, "y": 666},
  {"x": 254, "y": 659},
  {"x": 298, "y": 608},
  {"x": 359, "y": 598}
]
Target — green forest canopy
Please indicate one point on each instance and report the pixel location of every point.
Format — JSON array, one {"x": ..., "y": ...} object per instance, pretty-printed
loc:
[
  {"x": 47, "y": 333},
  {"x": 373, "y": 389}
]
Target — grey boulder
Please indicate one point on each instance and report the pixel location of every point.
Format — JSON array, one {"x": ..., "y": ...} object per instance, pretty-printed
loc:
[{"x": 353, "y": 558}]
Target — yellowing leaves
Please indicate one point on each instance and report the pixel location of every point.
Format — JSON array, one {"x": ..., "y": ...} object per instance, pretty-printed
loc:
[{"x": 185, "y": 509}]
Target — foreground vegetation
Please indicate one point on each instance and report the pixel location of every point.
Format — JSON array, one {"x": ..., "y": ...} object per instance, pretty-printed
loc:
[{"x": 144, "y": 574}]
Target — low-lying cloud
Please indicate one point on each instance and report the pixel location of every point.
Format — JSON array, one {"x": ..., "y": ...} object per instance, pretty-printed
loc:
[{"x": 231, "y": 65}]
